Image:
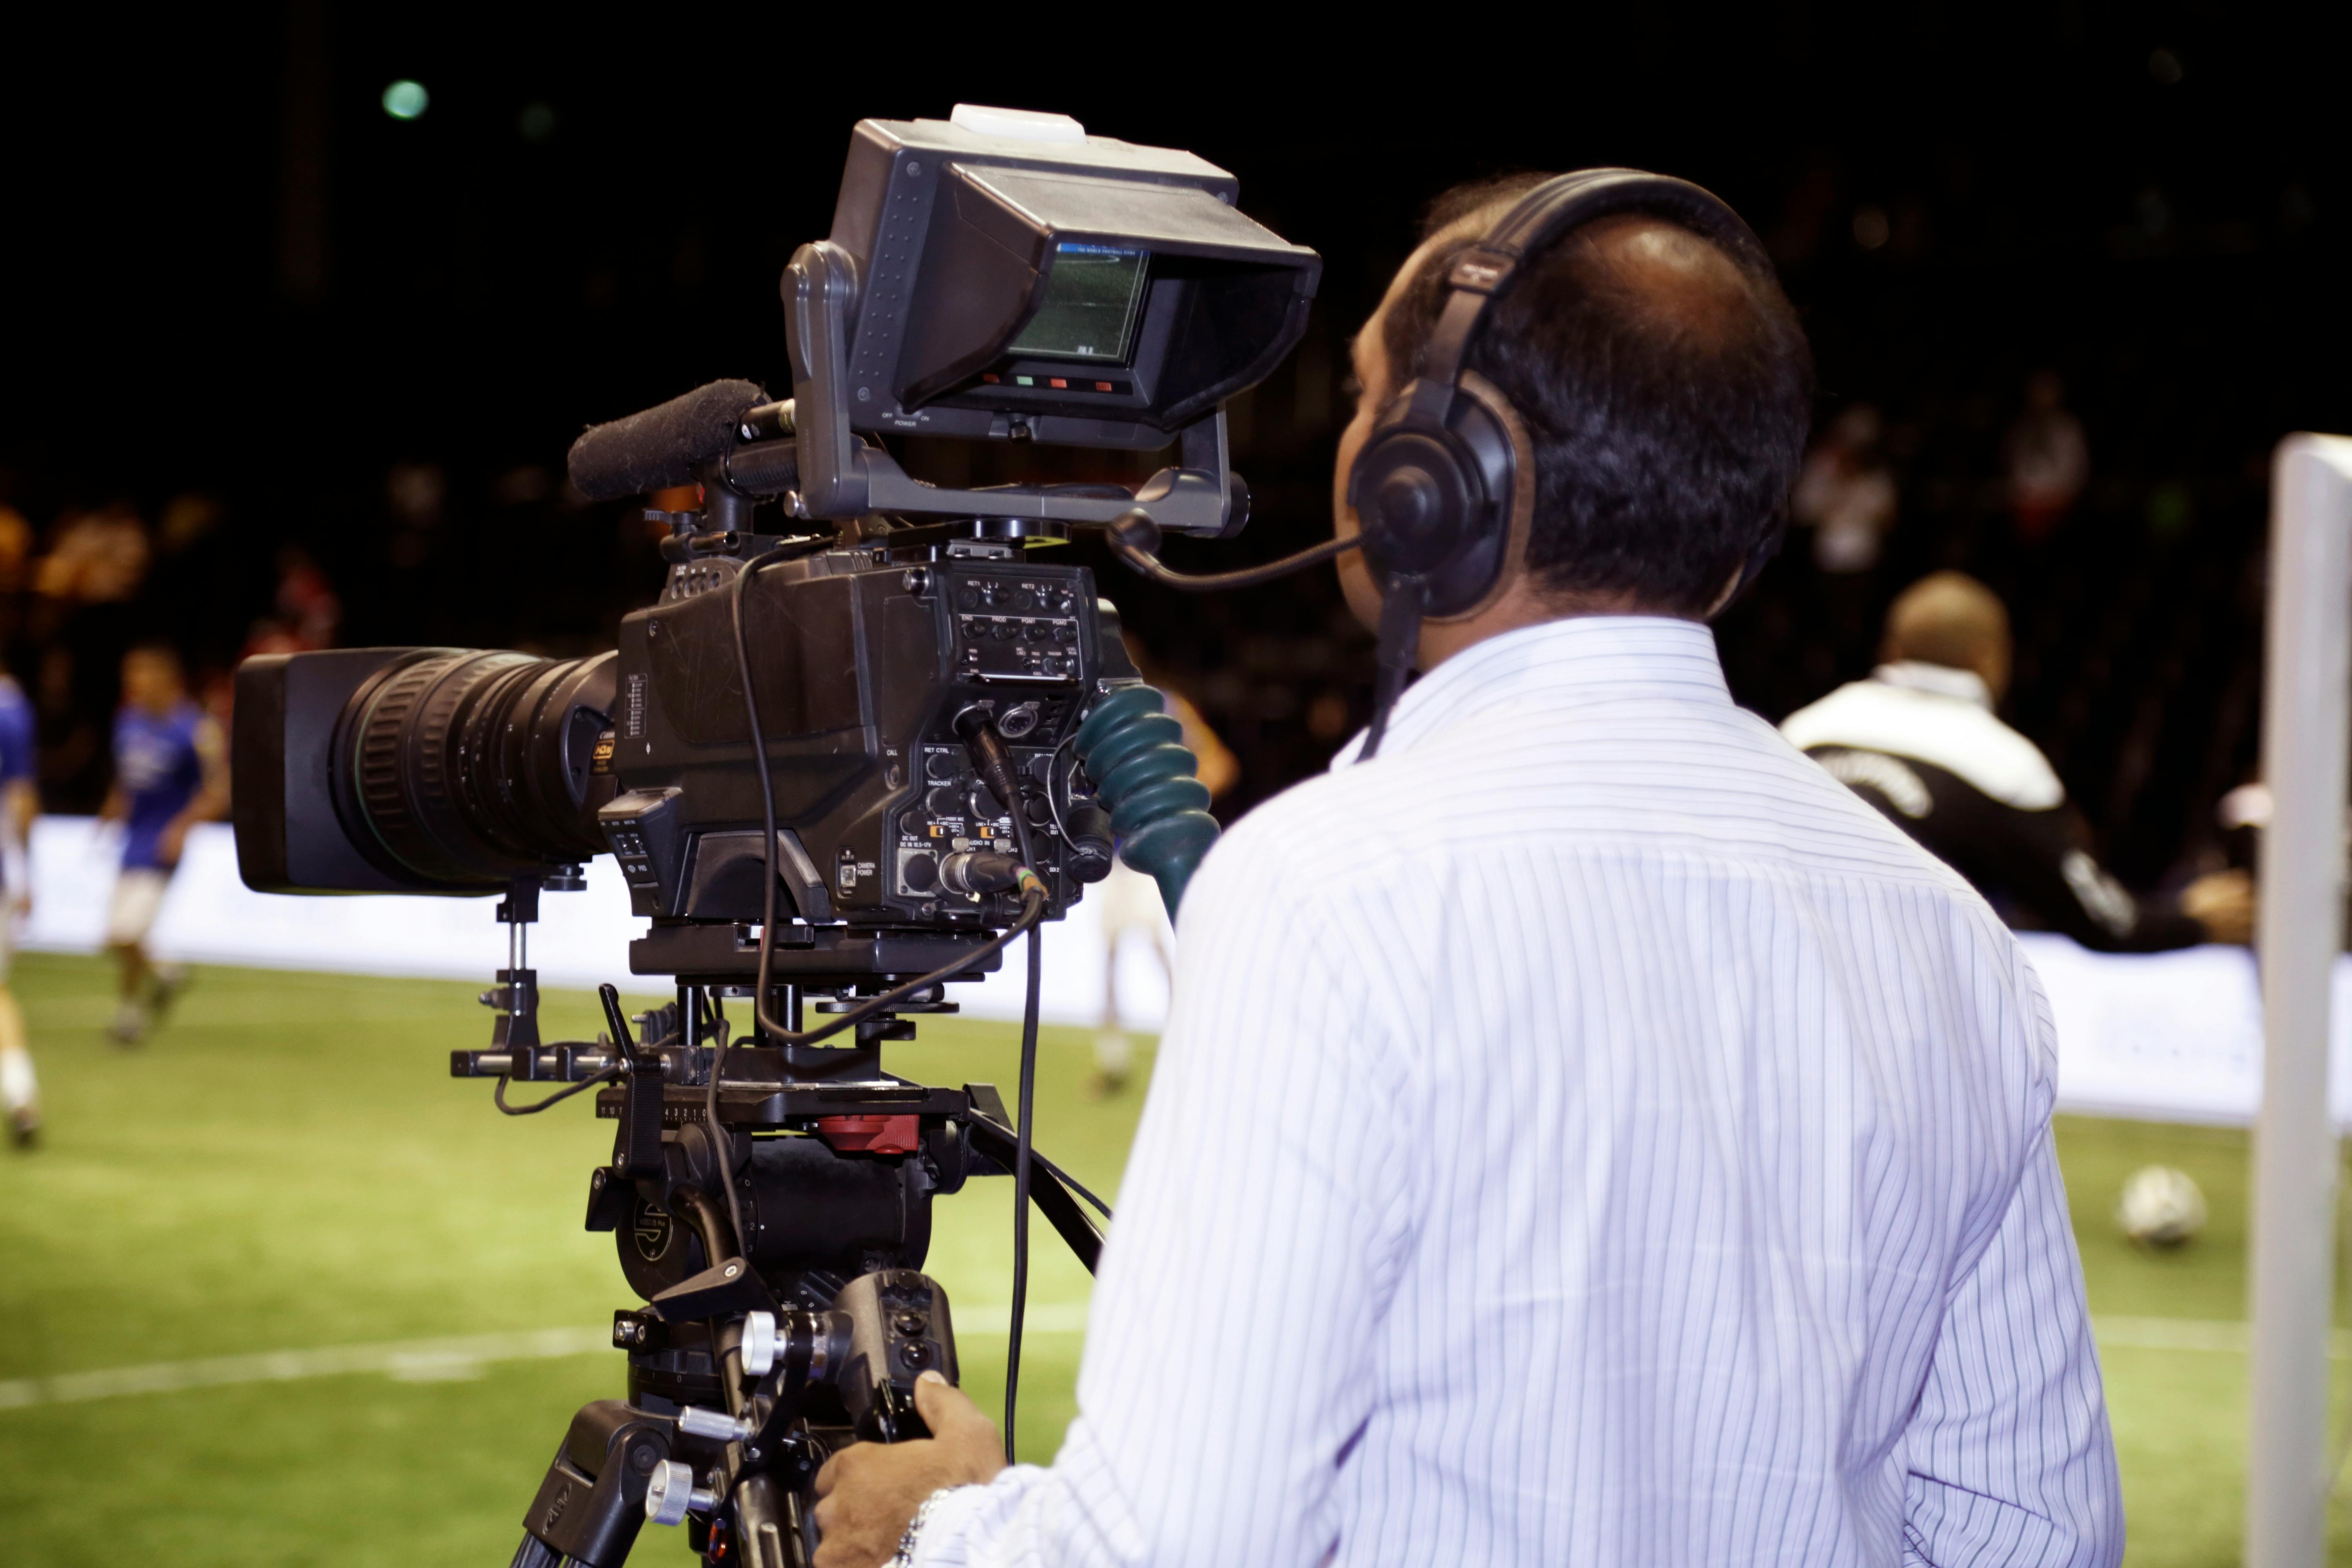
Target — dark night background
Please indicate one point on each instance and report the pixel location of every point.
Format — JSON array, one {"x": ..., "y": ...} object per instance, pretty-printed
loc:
[{"x": 230, "y": 271}]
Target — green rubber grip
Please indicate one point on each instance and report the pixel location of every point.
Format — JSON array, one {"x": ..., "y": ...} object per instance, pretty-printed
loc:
[{"x": 1144, "y": 773}]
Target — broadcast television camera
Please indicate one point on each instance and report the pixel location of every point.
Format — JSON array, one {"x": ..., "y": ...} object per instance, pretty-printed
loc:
[{"x": 864, "y": 739}]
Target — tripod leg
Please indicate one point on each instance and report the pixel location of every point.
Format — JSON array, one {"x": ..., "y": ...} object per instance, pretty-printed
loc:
[
  {"x": 593, "y": 1500},
  {"x": 536, "y": 1553}
]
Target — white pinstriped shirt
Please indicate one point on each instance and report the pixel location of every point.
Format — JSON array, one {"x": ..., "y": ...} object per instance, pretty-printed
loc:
[{"x": 1585, "y": 1134}]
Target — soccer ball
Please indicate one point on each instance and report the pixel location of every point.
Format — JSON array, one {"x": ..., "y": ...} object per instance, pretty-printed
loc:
[{"x": 2160, "y": 1206}]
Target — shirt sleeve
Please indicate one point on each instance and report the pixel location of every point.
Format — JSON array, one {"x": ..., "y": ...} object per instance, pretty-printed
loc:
[
  {"x": 1260, "y": 1227},
  {"x": 2008, "y": 1457}
]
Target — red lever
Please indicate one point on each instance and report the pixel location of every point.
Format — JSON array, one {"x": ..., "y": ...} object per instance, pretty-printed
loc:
[{"x": 871, "y": 1135}]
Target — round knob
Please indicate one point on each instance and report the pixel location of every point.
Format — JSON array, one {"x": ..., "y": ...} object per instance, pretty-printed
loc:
[
  {"x": 945, "y": 801},
  {"x": 984, "y": 804},
  {"x": 943, "y": 766},
  {"x": 760, "y": 1340},
  {"x": 716, "y": 1424},
  {"x": 671, "y": 1491}
]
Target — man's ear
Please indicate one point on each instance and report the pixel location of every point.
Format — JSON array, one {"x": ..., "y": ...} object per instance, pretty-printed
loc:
[{"x": 1730, "y": 592}]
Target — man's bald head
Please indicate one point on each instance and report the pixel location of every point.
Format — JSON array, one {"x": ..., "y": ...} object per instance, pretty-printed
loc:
[
  {"x": 1665, "y": 382},
  {"x": 1951, "y": 619}
]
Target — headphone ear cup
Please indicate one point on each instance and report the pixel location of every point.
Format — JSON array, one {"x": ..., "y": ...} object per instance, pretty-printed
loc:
[
  {"x": 1482, "y": 550},
  {"x": 1411, "y": 492},
  {"x": 1436, "y": 503}
]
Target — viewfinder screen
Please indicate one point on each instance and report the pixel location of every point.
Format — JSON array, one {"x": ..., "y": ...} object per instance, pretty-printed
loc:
[{"x": 1089, "y": 309}]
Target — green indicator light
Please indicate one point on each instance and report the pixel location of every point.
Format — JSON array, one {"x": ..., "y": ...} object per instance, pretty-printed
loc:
[
  {"x": 405, "y": 100},
  {"x": 1025, "y": 381}
]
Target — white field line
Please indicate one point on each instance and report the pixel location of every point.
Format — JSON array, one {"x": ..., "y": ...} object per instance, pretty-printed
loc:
[
  {"x": 2225, "y": 1335},
  {"x": 422, "y": 1361}
]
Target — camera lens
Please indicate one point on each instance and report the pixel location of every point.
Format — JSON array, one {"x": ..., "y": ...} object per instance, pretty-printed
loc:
[{"x": 461, "y": 768}]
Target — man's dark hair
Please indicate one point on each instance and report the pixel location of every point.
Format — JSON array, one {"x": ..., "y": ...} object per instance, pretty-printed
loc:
[{"x": 1666, "y": 438}]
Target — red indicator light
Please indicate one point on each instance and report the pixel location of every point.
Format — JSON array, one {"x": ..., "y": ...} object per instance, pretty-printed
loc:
[
  {"x": 990, "y": 376},
  {"x": 1056, "y": 381},
  {"x": 1102, "y": 387}
]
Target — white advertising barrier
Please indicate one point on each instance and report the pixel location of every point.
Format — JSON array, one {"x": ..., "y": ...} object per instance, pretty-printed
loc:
[
  {"x": 2168, "y": 1037},
  {"x": 2174, "y": 1036},
  {"x": 582, "y": 938}
]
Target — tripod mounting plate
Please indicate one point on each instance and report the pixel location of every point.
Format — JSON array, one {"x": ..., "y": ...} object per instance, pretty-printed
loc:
[
  {"x": 729, "y": 954},
  {"x": 786, "y": 1104}
]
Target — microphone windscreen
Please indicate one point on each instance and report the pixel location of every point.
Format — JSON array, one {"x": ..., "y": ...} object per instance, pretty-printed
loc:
[{"x": 662, "y": 445}]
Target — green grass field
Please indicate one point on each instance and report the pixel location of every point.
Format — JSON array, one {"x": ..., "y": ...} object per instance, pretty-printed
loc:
[{"x": 285, "y": 1167}]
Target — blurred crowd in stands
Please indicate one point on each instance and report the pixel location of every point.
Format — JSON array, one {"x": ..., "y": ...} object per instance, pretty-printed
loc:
[{"x": 98, "y": 580}]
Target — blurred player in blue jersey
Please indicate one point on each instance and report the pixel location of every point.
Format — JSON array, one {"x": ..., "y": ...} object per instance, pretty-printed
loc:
[
  {"x": 168, "y": 776},
  {"x": 20, "y": 802}
]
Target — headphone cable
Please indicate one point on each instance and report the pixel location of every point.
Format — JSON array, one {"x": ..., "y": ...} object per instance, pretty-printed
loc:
[
  {"x": 1401, "y": 612},
  {"x": 1135, "y": 540}
]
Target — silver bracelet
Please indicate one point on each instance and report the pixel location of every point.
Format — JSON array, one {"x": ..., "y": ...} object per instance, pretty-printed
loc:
[{"x": 906, "y": 1556}]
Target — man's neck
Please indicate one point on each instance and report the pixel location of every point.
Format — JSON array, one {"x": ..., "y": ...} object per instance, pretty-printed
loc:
[{"x": 1520, "y": 606}]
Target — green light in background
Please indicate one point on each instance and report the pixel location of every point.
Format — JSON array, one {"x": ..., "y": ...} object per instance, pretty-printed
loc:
[
  {"x": 536, "y": 122},
  {"x": 405, "y": 100}
]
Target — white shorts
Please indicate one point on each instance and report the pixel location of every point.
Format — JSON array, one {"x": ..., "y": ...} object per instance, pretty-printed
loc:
[
  {"x": 14, "y": 877},
  {"x": 138, "y": 894},
  {"x": 1129, "y": 901}
]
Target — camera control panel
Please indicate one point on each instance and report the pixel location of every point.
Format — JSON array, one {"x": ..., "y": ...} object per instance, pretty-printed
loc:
[{"x": 1011, "y": 628}]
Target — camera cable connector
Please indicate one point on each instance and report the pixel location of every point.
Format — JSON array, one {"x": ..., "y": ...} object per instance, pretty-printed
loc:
[{"x": 1134, "y": 751}]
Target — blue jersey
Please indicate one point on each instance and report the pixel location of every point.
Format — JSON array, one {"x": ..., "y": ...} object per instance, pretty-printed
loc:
[
  {"x": 16, "y": 735},
  {"x": 158, "y": 769}
]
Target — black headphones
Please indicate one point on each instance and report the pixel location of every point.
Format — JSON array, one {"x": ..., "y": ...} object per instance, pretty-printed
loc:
[{"x": 1434, "y": 487}]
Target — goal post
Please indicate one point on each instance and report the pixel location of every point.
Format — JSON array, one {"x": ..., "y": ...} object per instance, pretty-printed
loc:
[{"x": 2306, "y": 716}]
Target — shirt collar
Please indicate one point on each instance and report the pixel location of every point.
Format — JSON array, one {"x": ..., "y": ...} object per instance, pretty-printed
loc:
[
  {"x": 1941, "y": 680},
  {"x": 1581, "y": 660}
]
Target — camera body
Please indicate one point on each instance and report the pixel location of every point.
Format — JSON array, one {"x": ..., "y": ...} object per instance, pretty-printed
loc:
[
  {"x": 866, "y": 657},
  {"x": 432, "y": 770}
]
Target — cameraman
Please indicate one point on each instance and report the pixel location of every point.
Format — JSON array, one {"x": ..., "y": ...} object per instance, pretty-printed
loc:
[{"x": 1587, "y": 1132}]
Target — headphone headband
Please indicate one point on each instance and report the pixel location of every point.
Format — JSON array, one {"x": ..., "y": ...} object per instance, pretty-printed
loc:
[{"x": 1489, "y": 270}]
